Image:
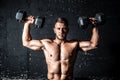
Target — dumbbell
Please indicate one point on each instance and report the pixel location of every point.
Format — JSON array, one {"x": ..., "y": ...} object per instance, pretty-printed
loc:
[
  {"x": 21, "y": 16},
  {"x": 84, "y": 21}
]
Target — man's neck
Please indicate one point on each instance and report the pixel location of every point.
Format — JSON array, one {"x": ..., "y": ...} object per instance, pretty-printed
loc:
[{"x": 58, "y": 41}]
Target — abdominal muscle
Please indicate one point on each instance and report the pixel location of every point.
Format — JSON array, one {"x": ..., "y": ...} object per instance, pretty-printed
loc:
[{"x": 59, "y": 70}]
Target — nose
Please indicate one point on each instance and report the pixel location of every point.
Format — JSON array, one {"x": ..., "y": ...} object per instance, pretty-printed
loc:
[{"x": 61, "y": 31}]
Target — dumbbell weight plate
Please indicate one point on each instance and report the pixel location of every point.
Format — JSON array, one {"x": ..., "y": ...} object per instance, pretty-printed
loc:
[
  {"x": 83, "y": 22},
  {"x": 100, "y": 18}
]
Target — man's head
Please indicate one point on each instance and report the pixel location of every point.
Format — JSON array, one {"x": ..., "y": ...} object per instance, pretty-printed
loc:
[{"x": 61, "y": 28}]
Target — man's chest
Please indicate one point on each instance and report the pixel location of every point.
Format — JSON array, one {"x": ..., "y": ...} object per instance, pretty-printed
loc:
[{"x": 63, "y": 51}]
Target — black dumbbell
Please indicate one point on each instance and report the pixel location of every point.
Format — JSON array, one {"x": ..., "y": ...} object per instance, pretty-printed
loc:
[
  {"x": 21, "y": 16},
  {"x": 85, "y": 21}
]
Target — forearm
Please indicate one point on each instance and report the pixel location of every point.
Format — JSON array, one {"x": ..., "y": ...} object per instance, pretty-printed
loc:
[
  {"x": 95, "y": 37},
  {"x": 26, "y": 37}
]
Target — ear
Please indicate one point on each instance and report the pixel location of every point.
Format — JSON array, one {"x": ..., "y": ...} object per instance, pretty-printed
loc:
[{"x": 54, "y": 29}]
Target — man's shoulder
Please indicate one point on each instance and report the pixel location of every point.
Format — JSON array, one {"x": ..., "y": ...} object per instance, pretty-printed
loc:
[
  {"x": 47, "y": 40},
  {"x": 72, "y": 42}
]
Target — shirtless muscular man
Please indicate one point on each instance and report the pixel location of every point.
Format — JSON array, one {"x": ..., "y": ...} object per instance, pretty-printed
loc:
[{"x": 60, "y": 53}]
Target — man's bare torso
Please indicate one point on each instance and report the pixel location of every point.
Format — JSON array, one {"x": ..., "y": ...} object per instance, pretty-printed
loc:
[{"x": 60, "y": 59}]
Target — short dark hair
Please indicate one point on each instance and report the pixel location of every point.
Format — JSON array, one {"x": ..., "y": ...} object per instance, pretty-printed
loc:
[{"x": 62, "y": 20}]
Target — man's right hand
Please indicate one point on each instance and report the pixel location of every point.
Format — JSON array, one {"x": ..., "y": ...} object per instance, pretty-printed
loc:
[{"x": 30, "y": 20}]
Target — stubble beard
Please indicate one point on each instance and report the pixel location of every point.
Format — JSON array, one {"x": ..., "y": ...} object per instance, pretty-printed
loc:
[{"x": 60, "y": 38}]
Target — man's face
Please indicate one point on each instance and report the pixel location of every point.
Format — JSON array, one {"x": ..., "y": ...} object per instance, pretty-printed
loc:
[{"x": 60, "y": 30}]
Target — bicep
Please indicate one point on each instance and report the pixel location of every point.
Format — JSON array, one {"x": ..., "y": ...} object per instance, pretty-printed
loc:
[
  {"x": 86, "y": 45},
  {"x": 35, "y": 44}
]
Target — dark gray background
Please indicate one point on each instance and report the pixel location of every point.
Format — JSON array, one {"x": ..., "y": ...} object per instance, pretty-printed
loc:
[{"x": 17, "y": 61}]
